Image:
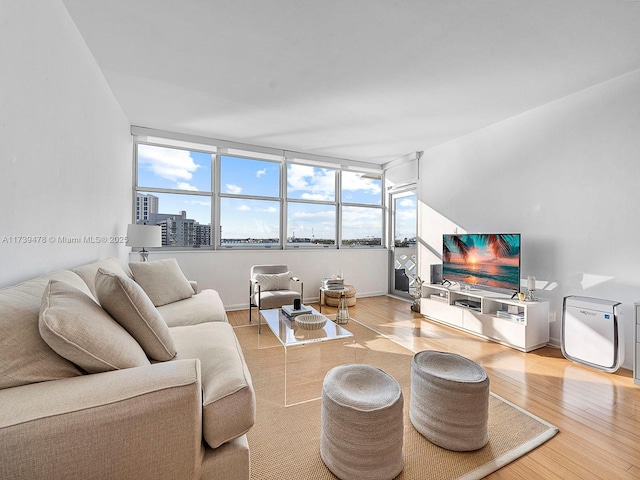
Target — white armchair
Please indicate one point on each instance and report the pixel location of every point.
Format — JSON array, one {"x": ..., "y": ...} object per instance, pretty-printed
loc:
[{"x": 272, "y": 286}]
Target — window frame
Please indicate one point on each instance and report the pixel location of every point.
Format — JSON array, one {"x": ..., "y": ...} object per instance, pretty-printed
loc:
[
  {"x": 380, "y": 208},
  {"x": 219, "y": 148},
  {"x": 334, "y": 203},
  {"x": 175, "y": 191},
  {"x": 220, "y": 195}
]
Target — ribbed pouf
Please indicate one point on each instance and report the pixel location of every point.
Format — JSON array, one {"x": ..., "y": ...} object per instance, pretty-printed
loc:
[
  {"x": 332, "y": 298},
  {"x": 449, "y": 400},
  {"x": 362, "y": 424}
]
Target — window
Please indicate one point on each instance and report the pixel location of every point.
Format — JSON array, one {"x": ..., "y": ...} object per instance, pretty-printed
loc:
[
  {"x": 310, "y": 224},
  {"x": 227, "y": 195},
  {"x": 174, "y": 191},
  {"x": 173, "y": 169},
  {"x": 311, "y": 206},
  {"x": 245, "y": 221},
  {"x": 361, "y": 226},
  {"x": 249, "y": 177},
  {"x": 249, "y": 202},
  {"x": 362, "y": 215},
  {"x": 360, "y": 188}
]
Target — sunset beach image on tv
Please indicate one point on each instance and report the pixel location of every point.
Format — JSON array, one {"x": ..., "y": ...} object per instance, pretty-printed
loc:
[{"x": 489, "y": 261}]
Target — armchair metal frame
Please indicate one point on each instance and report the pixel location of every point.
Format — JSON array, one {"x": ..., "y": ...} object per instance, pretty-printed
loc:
[{"x": 255, "y": 288}]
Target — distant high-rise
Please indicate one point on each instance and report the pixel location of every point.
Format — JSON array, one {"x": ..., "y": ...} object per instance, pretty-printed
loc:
[
  {"x": 203, "y": 234},
  {"x": 146, "y": 205},
  {"x": 177, "y": 229}
]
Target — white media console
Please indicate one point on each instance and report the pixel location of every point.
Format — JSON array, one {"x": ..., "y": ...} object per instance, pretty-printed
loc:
[{"x": 520, "y": 325}]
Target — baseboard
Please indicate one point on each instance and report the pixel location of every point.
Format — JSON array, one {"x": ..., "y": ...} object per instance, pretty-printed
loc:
[
  {"x": 399, "y": 298},
  {"x": 554, "y": 342},
  {"x": 245, "y": 306}
]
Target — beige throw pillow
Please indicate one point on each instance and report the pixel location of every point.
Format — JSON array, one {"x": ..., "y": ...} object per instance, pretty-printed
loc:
[
  {"x": 162, "y": 280},
  {"x": 273, "y": 281},
  {"x": 88, "y": 272},
  {"x": 78, "y": 329},
  {"x": 130, "y": 306}
]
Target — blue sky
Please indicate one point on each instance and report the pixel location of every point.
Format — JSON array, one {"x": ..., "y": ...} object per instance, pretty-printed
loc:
[
  {"x": 406, "y": 211},
  {"x": 171, "y": 168}
]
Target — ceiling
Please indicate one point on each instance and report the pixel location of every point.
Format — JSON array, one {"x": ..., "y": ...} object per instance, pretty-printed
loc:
[{"x": 367, "y": 80}]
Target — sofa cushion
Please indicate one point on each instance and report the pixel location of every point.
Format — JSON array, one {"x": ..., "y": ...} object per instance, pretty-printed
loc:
[
  {"x": 126, "y": 302},
  {"x": 78, "y": 329},
  {"x": 163, "y": 280},
  {"x": 228, "y": 399},
  {"x": 88, "y": 272},
  {"x": 24, "y": 356},
  {"x": 205, "y": 306},
  {"x": 273, "y": 281}
]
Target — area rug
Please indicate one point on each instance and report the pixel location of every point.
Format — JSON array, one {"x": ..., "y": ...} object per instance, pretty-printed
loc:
[{"x": 285, "y": 441}]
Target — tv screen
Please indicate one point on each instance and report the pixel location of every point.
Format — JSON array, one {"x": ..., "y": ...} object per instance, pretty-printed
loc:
[{"x": 488, "y": 261}]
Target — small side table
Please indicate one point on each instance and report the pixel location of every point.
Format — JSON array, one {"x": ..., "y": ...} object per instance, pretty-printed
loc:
[{"x": 342, "y": 316}]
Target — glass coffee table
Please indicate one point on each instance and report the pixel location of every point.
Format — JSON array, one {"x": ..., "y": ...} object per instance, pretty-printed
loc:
[{"x": 308, "y": 354}]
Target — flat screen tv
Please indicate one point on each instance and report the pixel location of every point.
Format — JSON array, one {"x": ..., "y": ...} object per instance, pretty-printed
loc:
[{"x": 487, "y": 261}]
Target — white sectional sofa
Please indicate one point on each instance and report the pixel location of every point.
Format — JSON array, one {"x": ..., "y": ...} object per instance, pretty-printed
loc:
[{"x": 112, "y": 411}]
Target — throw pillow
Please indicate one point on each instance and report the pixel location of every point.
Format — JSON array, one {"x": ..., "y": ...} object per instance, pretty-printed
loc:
[
  {"x": 78, "y": 329},
  {"x": 127, "y": 303},
  {"x": 162, "y": 280},
  {"x": 273, "y": 281},
  {"x": 88, "y": 272}
]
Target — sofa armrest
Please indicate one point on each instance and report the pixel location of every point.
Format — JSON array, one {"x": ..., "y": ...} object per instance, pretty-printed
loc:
[{"x": 143, "y": 422}]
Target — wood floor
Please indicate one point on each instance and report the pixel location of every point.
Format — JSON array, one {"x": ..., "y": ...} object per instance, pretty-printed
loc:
[{"x": 598, "y": 414}]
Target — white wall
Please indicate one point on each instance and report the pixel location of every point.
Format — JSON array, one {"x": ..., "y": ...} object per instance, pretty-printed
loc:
[
  {"x": 228, "y": 271},
  {"x": 65, "y": 149},
  {"x": 566, "y": 176}
]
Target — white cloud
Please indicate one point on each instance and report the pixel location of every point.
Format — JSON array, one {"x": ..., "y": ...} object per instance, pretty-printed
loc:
[
  {"x": 311, "y": 215},
  {"x": 315, "y": 183},
  {"x": 260, "y": 173},
  {"x": 315, "y": 196},
  {"x": 354, "y": 182},
  {"x": 268, "y": 210},
  {"x": 204, "y": 203},
  {"x": 407, "y": 202},
  {"x": 244, "y": 208},
  {"x": 168, "y": 163},
  {"x": 406, "y": 215},
  {"x": 186, "y": 186},
  {"x": 231, "y": 188}
]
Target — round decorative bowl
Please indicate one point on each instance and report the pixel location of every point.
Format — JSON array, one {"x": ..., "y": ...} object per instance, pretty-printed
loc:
[{"x": 311, "y": 321}]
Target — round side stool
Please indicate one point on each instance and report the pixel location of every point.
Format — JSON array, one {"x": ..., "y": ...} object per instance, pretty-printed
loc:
[
  {"x": 332, "y": 298},
  {"x": 362, "y": 423},
  {"x": 449, "y": 402}
]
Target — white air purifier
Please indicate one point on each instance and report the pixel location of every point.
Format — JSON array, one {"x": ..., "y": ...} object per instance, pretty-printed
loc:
[{"x": 591, "y": 333}]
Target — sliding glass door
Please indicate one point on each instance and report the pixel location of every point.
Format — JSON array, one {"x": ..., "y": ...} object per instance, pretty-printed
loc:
[{"x": 403, "y": 225}]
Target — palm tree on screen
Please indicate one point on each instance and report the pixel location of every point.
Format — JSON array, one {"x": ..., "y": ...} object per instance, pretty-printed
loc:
[
  {"x": 499, "y": 245},
  {"x": 459, "y": 245}
]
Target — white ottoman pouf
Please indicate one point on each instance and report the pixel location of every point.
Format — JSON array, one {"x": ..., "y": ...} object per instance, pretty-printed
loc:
[
  {"x": 362, "y": 423},
  {"x": 449, "y": 402}
]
